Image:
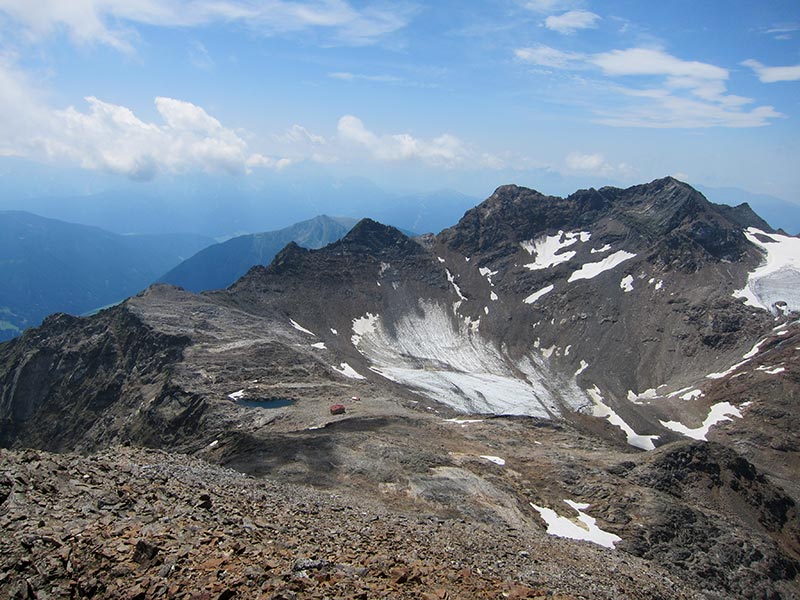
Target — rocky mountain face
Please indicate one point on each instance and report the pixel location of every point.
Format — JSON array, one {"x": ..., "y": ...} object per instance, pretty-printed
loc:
[{"x": 616, "y": 369}]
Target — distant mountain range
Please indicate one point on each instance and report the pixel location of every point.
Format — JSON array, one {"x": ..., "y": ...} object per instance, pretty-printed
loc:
[
  {"x": 49, "y": 266},
  {"x": 220, "y": 265}
]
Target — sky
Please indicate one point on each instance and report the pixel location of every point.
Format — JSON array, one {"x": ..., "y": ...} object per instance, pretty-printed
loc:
[{"x": 411, "y": 94}]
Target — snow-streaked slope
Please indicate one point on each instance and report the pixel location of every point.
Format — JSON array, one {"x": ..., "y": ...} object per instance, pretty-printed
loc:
[
  {"x": 448, "y": 361},
  {"x": 777, "y": 279}
]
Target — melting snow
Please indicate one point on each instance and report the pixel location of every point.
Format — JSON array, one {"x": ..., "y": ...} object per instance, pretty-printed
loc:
[
  {"x": 452, "y": 280},
  {"x": 649, "y": 394},
  {"x": 455, "y": 366},
  {"x": 585, "y": 529},
  {"x": 754, "y": 350},
  {"x": 300, "y": 328},
  {"x": 495, "y": 459},
  {"x": 777, "y": 279},
  {"x": 548, "y": 247},
  {"x": 600, "y": 409},
  {"x": 722, "y": 411},
  {"x": 627, "y": 283},
  {"x": 463, "y": 422},
  {"x": 236, "y": 395},
  {"x": 362, "y": 326},
  {"x": 591, "y": 270},
  {"x": 728, "y": 371},
  {"x": 348, "y": 371},
  {"x": 771, "y": 370},
  {"x": 536, "y": 295}
]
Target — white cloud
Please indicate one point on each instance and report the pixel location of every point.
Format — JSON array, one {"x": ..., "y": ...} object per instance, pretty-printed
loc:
[
  {"x": 572, "y": 21},
  {"x": 675, "y": 92},
  {"x": 645, "y": 61},
  {"x": 595, "y": 164},
  {"x": 445, "y": 150},
  {"x": 111, "y": 137},
  {"x": 545, "y": 56},
  {"x": 105, "y": 21},
  {"x": 773, "y": 74}
]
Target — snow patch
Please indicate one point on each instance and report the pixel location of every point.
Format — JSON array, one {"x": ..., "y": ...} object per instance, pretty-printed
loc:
[
  {"x": 777, "y": 279},
  {"x": 600, "y": 409},
  {"x": 585, "y": 529},
  {"x": 493, "y": 297},
  {"x": 237, "y": 395},
  {"x": 754, "y": 350},
  {"x": 627, "y": 283},
  {"x": 692, "y": 395},
  {"x": 536, "y": 295},
  {"x": 334, "y": 332},
  {"x": 722, "y": 411},
  {"x": 463, "y": 422},
  {"x": 440, "y": 259},
  {"x": 548, "y": 249},
  {"x": 582, "y": 368},
  {"x": 660, "y": 284},
  {"x": 319, "y": 346},
  {"x": 301, "y": 328},
  {"x": 605, "y": 248},
  {"x": 348, "y": 371},
  {"x": 649, "y": 394},
  {"x": 722, "y": 374},
  {"x": 495, "y": 459},
  {"x": 771, "y": 370},
  {"x": 591, "y": 270}
]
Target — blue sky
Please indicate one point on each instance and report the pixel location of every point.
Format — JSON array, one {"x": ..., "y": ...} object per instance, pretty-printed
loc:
[{"x": 416, "y": 94}]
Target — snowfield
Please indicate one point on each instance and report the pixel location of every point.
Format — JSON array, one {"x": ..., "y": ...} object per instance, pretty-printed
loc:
[
  {"x": 722, "y": 411},
  {"x": 777, "y": 279},
  {"x": 448, "y": 361}
]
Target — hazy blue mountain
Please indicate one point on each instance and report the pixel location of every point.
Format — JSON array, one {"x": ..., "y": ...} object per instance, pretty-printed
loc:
[
  {"x": 220, "y": 265},
  {"x": 49, "y": 266}
]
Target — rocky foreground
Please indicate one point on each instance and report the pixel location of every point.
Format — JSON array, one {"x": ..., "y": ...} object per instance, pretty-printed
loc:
[{"x": 133, "y": 523}]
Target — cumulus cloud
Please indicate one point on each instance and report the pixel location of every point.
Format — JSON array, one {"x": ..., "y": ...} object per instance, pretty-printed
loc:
[
  {"x": 111, "y": 137},
  {"x": 773, "y": 74},
  {"x": 572, "y": 21},
  {"x": 673, "y": 92},
  {"x": 108, "y": 22}
]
